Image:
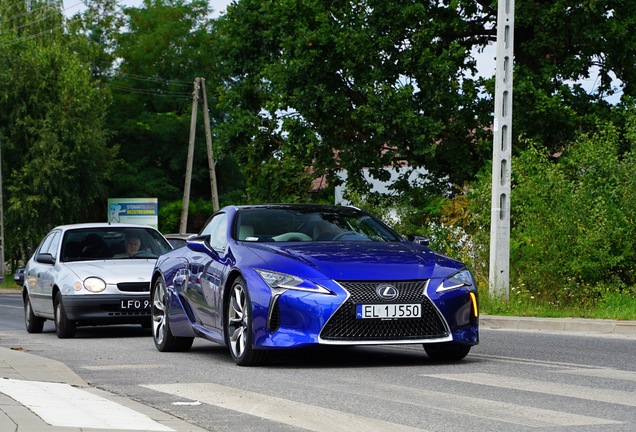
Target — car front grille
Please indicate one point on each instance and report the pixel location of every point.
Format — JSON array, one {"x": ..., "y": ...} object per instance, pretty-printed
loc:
[
  {"x": 344, "y": 326},
  {"x": 134, "y": 286}
]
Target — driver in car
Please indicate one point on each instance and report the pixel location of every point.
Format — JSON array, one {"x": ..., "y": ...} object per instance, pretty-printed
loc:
[{"x": 132, "y": 245}]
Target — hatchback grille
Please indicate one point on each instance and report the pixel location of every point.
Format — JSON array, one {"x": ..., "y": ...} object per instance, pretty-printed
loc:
[
  {"x": 344, "y": 326},
  {"x": 134, "y": 286}
]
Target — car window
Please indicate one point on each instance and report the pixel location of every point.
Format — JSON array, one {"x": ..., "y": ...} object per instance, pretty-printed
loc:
[
  {"x": 50, "y": 243},
  {"x": 310, "y": 224},
  {"x": 110, "y": 243},
  {"x": 217, "y": 229}
]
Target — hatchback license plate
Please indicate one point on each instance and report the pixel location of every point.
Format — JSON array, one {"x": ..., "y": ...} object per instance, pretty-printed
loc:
[
  {"x": 135, "y": 304},
  {"x": 388, "y": 311}
]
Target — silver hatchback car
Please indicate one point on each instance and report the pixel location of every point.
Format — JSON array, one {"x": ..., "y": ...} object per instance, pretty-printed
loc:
[{"x": 91, "y": 274}]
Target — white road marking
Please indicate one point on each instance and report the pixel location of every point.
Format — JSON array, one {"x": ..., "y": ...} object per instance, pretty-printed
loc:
[
  {"x": 542, "y": 363},
  {"x": 66, "y": 406},
  {"x": 284, "y": 411},
  {"x": 558, "y": 389},
  {"x": 470, "y": 406},
  {"x": 123, "y": 367},
  {"x": 603, "y": 373}
]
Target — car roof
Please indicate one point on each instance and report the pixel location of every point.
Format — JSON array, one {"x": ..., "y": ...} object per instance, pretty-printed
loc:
[
  {"x": 101, "y": 225},
  {"x": 299, "y": 206},
  {"x": 179, "y": 235}
]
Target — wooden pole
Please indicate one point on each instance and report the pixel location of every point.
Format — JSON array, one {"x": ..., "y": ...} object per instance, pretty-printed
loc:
[
  {"x": 183, "y": 228},
  {"x": 208, "y": 142}
]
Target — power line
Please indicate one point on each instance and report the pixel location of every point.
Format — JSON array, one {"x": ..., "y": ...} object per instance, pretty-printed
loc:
[
  {"x": 150, "y": 92},
  {"x": 54, "y": 12},
  {"x": 153, "y": 79}
]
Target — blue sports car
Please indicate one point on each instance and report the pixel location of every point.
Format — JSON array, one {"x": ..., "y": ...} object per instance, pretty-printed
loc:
[{"x": 268, "y": 277}]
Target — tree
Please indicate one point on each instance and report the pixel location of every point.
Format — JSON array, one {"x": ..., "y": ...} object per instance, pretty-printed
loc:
[
  {"x": 163, "y": 47},
  {"x": 54, "y": 154},
  {"x": 558, "y": 46},
  {"x": 347, "y": 85},
  {"x": 353, "y": 84}
]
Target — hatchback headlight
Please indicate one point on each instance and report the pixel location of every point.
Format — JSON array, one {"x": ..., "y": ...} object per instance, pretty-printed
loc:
[
  {"x": 461, "y": 279},
  {"x": 94, "y": 284},
  {"x": 281, "y": 281}
]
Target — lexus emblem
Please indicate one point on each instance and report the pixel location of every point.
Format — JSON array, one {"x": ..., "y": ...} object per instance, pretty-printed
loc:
[{"x": 387, "y": 292}]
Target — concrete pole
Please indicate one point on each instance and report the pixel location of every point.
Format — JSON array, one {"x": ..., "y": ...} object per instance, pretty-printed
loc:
[
  {"x": 2, "y": 265},
  {"x": 499, "y": 277}
]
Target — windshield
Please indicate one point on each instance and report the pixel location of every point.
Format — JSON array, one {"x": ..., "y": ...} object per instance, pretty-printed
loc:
[
  {"x": 112, "y": 243},
  {"x": 310, "y": 224}
]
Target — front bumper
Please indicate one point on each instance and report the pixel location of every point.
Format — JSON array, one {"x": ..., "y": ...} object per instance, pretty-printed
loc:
[{"x": 99, "y": 309}]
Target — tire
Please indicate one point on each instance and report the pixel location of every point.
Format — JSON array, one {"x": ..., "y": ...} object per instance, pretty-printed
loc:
[
  {"x": 239, "y": 330},
  {"x": 33, "y": 324},
  {"x": 446, "y": 351},
  {"x": 64, "y": 328},
  {"x": 164, "y": 340}
]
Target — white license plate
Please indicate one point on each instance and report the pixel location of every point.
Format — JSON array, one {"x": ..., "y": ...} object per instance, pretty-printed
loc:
[
  {"x": 135, "y": 304},
  {"x": 388, "y": 311}
]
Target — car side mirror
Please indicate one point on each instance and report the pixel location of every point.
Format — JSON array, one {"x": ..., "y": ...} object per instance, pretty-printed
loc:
[
  {"x": 45, "y": 258},
  {"x": 424, "y": 241},
  {"x": 200, "y": 244}
]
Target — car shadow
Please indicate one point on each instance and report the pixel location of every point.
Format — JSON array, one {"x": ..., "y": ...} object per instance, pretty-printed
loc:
[
  {"x": 110, "y": 331},
  {"x": 337, "y": 357}
]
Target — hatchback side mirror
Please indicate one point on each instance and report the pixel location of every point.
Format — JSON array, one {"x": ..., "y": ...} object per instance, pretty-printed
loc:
[{"x": 45, "y": 258}]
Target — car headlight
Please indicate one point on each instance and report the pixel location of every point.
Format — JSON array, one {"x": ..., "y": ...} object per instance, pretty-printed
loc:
[
  {"x": 94, "y": 284},
  {"x": 461, "y": 279},
  {"x": 281, "y": 281}
]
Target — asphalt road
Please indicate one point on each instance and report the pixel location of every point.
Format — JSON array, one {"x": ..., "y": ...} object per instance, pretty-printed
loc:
[{"x": 513, "y": 381}]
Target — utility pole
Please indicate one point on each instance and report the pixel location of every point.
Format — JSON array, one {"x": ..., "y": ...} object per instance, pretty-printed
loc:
[
  {"x": 499, "y": 276},
  {"x": 208, "y": 142},
  {"x": 183, "y": 227},
  {"x": 2, "y": 266}
]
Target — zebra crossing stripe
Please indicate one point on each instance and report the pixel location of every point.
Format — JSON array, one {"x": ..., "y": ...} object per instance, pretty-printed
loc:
[
  {"x": 467, "y": 405},
  {"x": 297, "y": 414},
  {"x": 618, "y": 397}
]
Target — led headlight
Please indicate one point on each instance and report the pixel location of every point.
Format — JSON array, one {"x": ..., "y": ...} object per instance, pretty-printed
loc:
[
  {"x": 281, "y": 281},
  {"x": 94, "y": 284},
  {"x": 461, "y": 279}
]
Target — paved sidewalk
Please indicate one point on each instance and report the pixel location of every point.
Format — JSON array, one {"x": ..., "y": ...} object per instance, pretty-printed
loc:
[
  {"x": 68, "y": 402},
  {"x": 21, "y": 373}
]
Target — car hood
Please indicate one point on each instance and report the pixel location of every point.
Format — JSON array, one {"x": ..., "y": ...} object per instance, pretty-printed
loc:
[
  {"x": 357, "y": 260},
  {"x": 114, "y": 271}
]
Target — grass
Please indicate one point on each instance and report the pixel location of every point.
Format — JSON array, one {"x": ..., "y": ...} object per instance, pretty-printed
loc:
[
  {"x": 8, "y": 283},
  {"x": 610, "y": 305}
]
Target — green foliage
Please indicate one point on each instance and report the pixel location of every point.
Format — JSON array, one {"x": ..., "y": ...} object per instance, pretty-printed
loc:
[
  {"x": 162, "y": 48},
  {"x": 575, "y": 217},
  {"x": 609, "y": 304},
  {"x": 170, "y": 216},
  {"x": 571, "y": 239},
  {"x": 348, "y": 85},
  {"x": 55, "y": 160}
]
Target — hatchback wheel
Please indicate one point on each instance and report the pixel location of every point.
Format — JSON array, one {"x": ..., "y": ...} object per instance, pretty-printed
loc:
[
  {"x": 64, "y": 328},
  {"x": 164, "y": 340},
  {"x": 33, "y": 324}
]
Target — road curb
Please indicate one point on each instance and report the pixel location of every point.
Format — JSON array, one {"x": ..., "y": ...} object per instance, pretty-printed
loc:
[{"x": 574, "y": 325}]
